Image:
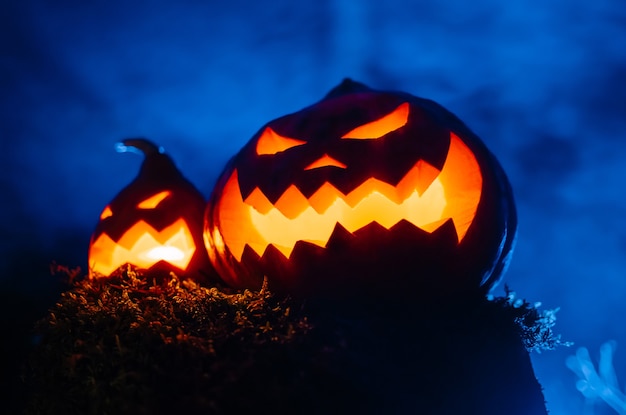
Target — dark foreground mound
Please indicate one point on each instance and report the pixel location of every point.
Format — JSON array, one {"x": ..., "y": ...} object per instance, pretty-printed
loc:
[{"x": 126, "y": 346}]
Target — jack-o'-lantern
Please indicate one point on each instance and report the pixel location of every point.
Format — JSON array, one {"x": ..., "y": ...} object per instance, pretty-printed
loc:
[
  {"x": 365, "y": 192},
  {"x": 155, "y": 223}
]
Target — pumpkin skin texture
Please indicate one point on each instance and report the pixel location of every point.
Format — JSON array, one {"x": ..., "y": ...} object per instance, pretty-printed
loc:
[
  {"x": 155, "y": 223},
  {"x": 365, "y": 194}
]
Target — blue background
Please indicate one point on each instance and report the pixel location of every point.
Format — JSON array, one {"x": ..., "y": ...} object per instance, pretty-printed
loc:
[{"x": 542, "y": 82}]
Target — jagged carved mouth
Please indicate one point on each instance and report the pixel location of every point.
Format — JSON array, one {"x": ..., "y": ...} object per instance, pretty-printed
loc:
[
  {"x": 143, "y": 246},
  {"x": 425, "y": 197}
]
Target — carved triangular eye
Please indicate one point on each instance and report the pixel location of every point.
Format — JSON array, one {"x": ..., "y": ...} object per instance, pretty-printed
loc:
[
  {"x": 153, "y": 201},
  {"x": 271, "y": 142},
  {"x": 107, "y": 212},
  {"x": 382, "y": 126}
]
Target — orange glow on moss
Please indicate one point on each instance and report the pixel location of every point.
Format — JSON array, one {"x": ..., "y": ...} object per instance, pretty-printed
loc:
[
  {"x": 153, "y": 201},
  {"x": 424, "y": 196},
  {"x": 143, "y": 246},
  {"x": 382, "y": 126},
  {"x": 271, "y": 142}
]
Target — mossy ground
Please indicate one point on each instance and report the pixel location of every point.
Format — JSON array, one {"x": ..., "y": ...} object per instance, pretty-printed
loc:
[{"x": 131, "y": 345}]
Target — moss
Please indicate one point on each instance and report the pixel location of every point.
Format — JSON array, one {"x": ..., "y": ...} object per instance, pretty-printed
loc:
[
  {"x": 130, "y": 345},
  {"x": 126, "y": 345},
  {"x": 534, "y": 325}
]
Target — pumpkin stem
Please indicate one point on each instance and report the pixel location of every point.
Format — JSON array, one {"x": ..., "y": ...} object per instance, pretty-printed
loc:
[
  {"x": 144, "y": 146},
  {"x": 347, "y": 86},
  {"x": 157, "y": 166}
]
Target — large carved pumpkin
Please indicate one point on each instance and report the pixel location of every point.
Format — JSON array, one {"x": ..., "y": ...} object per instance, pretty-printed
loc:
[
  {"x": 154, "y": 223},
  {"x": 364, "y": 193}
]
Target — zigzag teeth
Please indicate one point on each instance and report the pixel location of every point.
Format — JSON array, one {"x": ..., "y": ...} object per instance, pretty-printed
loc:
[
  {"x": 143, "y": 246},
  {"x": 309, "y": 224},
  {"x": 292, "y": 202}
]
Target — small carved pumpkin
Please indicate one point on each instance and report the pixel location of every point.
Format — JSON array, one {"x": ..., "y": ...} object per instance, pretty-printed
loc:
[
  {"x": 154, "y": 223},
  {"x": 364, "y": 192}
]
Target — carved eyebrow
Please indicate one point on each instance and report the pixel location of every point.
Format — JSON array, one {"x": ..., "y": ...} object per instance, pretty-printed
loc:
[
  {"x": 270, "y": 142},
  {"x": 382, "y": 126}
]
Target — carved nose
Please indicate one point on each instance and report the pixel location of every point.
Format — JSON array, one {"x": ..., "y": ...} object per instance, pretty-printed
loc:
[{"x": 324, "y": 161}]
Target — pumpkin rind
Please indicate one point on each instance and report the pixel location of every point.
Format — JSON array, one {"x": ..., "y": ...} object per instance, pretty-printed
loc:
[
  {"x": 154, "y": 223},
  {"x": 416, "y": 145}
]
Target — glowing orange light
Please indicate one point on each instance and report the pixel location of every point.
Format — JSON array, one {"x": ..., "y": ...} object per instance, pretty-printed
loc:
[
  {"x": 107, "y": 212},
  {"x": 425, "y": 197},
  {"x": 325, "y": 161},
  {"x": 423, "y": 211},
  {"x": 153, "y": 201},
  {"x": 143, "y": 247},
  {"x": 271, "y": 142},
  {"x": 376, "y": 129}
]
